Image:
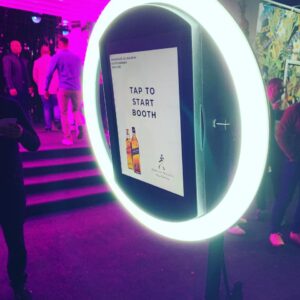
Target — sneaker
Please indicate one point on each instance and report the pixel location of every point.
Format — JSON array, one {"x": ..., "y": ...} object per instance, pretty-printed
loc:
[
  {"x": 80, "y": 133},
  {"x": 295, "y": 237},
  {"x": 67, "y": 142},
  {"x": 276, "y": 240},
  {"x": 22, "y": 294},
  {"x": 236, "y": 230}
]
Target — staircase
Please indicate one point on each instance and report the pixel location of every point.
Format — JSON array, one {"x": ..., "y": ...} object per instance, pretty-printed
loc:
[{"x": 58, "y": 177}]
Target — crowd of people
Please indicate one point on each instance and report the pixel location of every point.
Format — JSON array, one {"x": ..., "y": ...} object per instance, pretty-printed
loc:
[{"x": 58, "y": 82}]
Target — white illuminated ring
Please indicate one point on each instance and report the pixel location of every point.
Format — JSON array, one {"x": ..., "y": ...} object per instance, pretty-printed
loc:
[{"x": 253, "y": 111}]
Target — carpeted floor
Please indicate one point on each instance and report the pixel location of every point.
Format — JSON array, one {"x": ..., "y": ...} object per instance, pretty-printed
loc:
[{"x": 101, "y": 253}]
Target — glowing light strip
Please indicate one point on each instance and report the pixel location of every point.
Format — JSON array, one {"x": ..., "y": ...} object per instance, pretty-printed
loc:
[{"x": 253, "y": 110}]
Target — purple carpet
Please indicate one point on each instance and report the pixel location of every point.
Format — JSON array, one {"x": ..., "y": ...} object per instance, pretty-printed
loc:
[{"x": 101, "y": 253}]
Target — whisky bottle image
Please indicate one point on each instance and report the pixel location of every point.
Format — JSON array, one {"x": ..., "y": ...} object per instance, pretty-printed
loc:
[
  {"x": 135, "y": 153},
  {"x": 128, "y": 150}
]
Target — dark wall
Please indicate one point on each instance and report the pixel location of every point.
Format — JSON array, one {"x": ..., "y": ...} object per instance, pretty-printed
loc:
[
  {"x": 289, "y": 2},
  {"x": 17, "y": 25}
]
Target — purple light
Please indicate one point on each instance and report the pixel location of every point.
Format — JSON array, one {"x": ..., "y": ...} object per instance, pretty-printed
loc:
[
  {"x": 36, "y": 19},
  {"x": 90, "y": 11},
  {"x": 65, "y": 32}
]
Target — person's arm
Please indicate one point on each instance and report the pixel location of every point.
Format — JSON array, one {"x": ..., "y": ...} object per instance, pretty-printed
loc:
[
  {"x": 35, "y": 72},
  {"x": 7, "y": 72},
  {"x": 28, "y": 138},
  {"x": 51, "y": 70},
  {"x": 285, "y": 133},
  {"x": 21, "y": 131}
]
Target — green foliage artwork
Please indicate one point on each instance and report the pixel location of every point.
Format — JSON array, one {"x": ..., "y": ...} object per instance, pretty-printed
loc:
[
  {"x": 277, "y": 47},
  {"x": 292, "y": 80}
]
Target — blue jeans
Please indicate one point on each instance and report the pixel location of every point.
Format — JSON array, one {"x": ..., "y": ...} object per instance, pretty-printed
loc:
[{"x": 51, "y": 109}]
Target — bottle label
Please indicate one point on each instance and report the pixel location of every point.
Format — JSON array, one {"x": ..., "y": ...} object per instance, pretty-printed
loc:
[{"x": 135, "y": 151}]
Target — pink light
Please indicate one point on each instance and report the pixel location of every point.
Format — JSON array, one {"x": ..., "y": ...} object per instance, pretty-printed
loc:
[{"x": 67, "y": 9}]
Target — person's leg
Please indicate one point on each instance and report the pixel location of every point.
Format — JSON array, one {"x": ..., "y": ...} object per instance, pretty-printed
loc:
[
  {"x": 22, "y": 99},
  {"x": 26, "y": 102},
  {"x": 71, "y": 116},
  {"x": 56, "y": 112},
  {"x": 12, "y": 226},
  {"x": 14, "y": 237},
  {"x": 261, "y": 195},
  {"x": 17, "y": 256},
  {"x": 63, "y": 99},
  {"x": 277, "y": 159},
  {"x": 287, "y": 187},
  {"x": 76, "y": 105},
  {"x": 47, "y": 112},
  {"x": 296, "y": 221}
]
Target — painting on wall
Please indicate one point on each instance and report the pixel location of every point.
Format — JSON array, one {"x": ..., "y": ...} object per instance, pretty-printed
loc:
[
  {"x": 292, "y": 81},
  {"x": 277, "y": 47}
]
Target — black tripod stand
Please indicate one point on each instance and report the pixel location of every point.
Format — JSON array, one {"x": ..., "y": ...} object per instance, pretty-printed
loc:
[{"x": 215, "y": 268}]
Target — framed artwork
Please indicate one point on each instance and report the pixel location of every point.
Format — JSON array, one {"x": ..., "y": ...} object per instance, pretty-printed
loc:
[
  {"x": 277, "y": 42},
  {"x": 292, "y": 81}
]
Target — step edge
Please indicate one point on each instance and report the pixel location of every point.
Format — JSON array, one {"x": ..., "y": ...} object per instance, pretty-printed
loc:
[
  {"x": 28, "y": 179},
  {"x": 102, "y": 190}
]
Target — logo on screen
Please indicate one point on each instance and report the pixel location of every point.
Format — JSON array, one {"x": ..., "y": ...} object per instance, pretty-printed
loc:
[{"x": 161, "y": 163}]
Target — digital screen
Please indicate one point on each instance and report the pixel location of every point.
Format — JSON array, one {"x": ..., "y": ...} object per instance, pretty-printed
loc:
[{"x": 146, "y": 93}]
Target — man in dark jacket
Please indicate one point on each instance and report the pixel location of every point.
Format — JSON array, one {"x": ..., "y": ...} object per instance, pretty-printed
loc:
[
  {"x": 14, "y": 129},
  {"x": 16, "y": 75}
]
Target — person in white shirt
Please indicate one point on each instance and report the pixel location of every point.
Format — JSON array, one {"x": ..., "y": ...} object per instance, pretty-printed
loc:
[{"x": 50, "y": 104}]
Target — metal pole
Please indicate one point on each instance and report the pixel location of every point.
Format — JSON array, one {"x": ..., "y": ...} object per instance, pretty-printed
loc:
[{"x": 214, "y": 268}]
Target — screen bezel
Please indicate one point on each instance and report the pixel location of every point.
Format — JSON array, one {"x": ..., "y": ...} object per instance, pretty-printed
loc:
[{"x": 170, "y": 31}]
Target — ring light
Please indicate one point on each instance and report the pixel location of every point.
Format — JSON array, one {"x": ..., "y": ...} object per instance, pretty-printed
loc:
[{"x": 253, "y": 110}]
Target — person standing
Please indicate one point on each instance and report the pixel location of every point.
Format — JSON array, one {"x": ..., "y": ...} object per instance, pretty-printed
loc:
[
  {"x": 288, "y": 138},
  {"x": 16, "y": 75},
  {"x": 69, "y": 68},
  {"x": 276, "y": 97},
  {"x": 50, "y": 105},
  {"x": 15, "y": 129}
]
